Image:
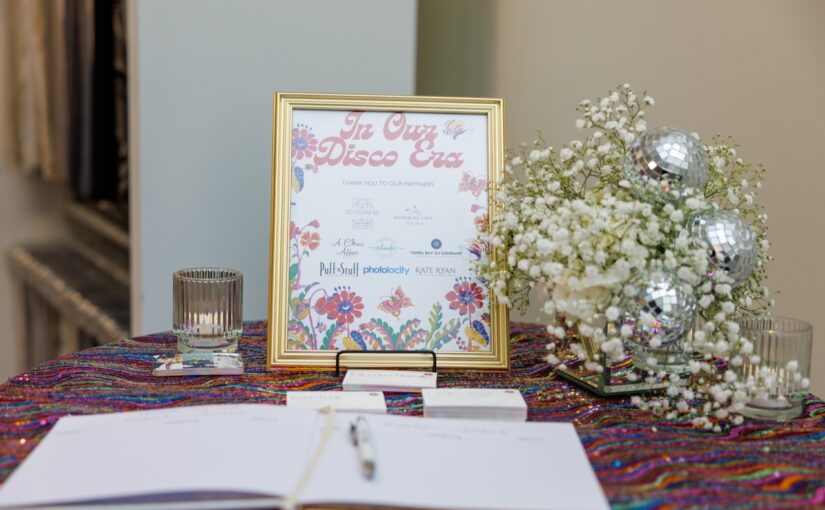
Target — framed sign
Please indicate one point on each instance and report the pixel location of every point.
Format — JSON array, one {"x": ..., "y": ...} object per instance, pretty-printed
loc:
[{"x": 380, "y": 206}]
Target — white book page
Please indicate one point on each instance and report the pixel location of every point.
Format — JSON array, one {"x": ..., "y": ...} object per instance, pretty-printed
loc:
[
  {"x": 251, "y": 448},
  {"x": 464, "y": 464}
]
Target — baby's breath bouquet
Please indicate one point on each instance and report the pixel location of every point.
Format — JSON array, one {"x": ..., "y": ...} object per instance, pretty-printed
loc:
[{"x": 574, "y": 226}]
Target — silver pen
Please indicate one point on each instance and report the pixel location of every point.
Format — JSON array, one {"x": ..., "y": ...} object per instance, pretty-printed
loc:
[{"x": 362, "y": 440}]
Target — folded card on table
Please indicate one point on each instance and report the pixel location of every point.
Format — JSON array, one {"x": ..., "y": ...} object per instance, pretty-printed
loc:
[
  {"x": 198, "y": 363},
  {"x": 477, "y": 403},
  {"x": 246, "y": 451},
  {"x": 398, "y": 381},
  {"x": 345, "y": 401}
]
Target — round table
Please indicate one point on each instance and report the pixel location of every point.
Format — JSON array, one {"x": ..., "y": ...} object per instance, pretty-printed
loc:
[{"x": 641, "y": 461}]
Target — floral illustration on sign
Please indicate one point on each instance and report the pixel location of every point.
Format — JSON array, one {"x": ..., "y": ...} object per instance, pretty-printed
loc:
[
  {"x": 334, "y": 320},
  {"x": 395, "y": 302},
  {"x": 304, "y": 146},
  {"x": 481, "y": 219},
  {"x": 304, "y": 143},
  {"x": 479, "y": 247},
  {"x": 344, "y": 306},
  {"x": 454, "y": 128},
  {"x": 310, "y": 240},
  {"x": 474, "y": 185},
  {"x": 466, "y": 297}
]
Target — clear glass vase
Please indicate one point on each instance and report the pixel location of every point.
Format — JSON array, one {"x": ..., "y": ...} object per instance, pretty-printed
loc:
[
  {"x": 672, "y": 357},
  {"x": 207, "y": 309},
  {"x": 780, "y": 378},
  {"x": 613, "y": 377}
]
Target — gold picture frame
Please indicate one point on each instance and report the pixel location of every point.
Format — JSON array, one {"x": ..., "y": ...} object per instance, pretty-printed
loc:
[{"x": 328, "y": 175}]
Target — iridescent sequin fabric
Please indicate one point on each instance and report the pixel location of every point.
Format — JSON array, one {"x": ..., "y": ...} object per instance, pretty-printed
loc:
[{"x": 641, "y": 461}]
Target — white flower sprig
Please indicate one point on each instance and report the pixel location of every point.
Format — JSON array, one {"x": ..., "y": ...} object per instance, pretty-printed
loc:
[{"x": 571, "y": 228}]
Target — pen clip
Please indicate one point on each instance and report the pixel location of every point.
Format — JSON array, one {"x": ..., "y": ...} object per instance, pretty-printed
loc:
[{"x": 361, "y": 440}]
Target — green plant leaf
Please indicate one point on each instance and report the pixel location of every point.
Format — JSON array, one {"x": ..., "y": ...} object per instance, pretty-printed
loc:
[
  {"x": 381, "y": 332},
  {"x": 435, "y": 322},
  {"x": 444, "y": 335},
  {"x": 408, "y": 332},
  {"x": 303, "y": 294},
  {"x": 325, "y": 343}
]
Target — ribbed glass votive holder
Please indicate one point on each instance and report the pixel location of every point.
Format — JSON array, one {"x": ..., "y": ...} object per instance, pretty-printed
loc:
[
  {"x": 207, "y": 309},
  {"x": 780, "y": 378}
]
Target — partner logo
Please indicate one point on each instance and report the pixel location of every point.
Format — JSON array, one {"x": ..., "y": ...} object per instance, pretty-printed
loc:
[
  {"x": 361, "y": 223},
  {"x": 435, "y": 271},
  {"x": 347, "y": 247},
  {"x": 396, "y": 270},
  {"x": 412, "y": 216},
  {"x": 339, "y": 269},
  {"x": 436, "y": 250},
  {"x": 386, "y": 247},
  {"x": 361, "y": 207}
]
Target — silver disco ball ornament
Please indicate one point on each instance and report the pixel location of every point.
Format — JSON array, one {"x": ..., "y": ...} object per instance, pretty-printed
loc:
[
  {"x": 731, "y": 243},
  {"x": 663, "y": 308},
  {"x": 670, "y": 158}
]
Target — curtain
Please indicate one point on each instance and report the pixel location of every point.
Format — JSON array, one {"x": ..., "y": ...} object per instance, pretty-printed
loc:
[
  {"x": 38, "y": 87},
  {"x": 69, "y": 94}
]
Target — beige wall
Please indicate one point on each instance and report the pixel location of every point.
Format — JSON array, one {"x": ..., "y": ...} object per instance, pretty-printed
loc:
[{"x": 751, "y": 69}]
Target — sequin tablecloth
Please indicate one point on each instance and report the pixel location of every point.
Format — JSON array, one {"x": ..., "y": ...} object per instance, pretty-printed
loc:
[{"x": 641, "y": 461}]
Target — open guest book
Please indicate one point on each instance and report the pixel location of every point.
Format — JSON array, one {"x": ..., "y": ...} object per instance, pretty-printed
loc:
[{"x": 251, "y": 456}]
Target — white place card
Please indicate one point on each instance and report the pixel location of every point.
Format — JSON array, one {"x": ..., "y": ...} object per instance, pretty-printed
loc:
[
  {"x": 399, "y": 381},
  {"x": 346, "y": 401},
  {"x": 479, "y": 403}
]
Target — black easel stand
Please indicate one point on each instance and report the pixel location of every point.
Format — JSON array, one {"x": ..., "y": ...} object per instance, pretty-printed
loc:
[{"x": 339, "y": 353}]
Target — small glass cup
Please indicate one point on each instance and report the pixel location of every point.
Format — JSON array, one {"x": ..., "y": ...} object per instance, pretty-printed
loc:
[
  {"x": 781, "y": 376},
  {"x": 207, "y": 309}
]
